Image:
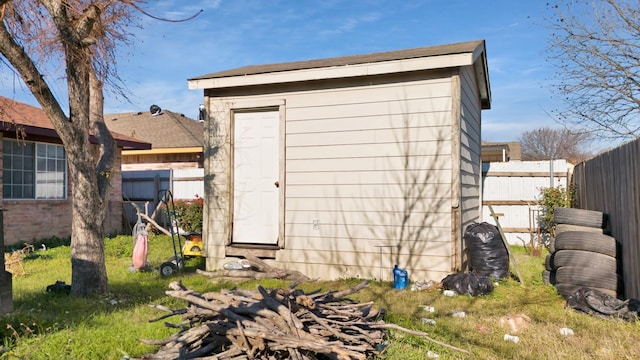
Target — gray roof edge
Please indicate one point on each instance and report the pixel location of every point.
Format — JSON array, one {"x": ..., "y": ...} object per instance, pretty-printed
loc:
[{"x": 438, "y": 50}]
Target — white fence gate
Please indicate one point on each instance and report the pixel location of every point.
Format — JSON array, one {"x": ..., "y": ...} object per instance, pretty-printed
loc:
[
  {"x": 513, "y": 190},
  {"x": 145, "y": 189}
]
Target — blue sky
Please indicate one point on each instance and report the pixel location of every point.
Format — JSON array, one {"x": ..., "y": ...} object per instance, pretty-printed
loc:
[{"x": 234, "y": 33}]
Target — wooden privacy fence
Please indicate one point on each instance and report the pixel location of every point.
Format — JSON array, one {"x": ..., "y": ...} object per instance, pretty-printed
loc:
[{"x": 610, "y": 182}]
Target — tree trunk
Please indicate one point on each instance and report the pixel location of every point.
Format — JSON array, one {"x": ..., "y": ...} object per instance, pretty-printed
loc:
[
  {"x": 91, "y": 179},
  {"x": 78, "y": 29},
  {"x": 89, "y": 274},
  {"x": 88, "y": 270}
]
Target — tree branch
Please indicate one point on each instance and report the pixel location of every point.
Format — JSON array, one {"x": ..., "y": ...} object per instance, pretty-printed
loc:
[
  {"x": 595, "y": 46},
  {"x": 31, "y": 76},
  {"x": 106, "y": 158},
  {"x": 85, "y": 24}
]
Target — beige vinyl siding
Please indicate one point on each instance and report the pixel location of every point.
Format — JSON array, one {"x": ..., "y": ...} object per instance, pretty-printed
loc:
[
  {"x": 470, "y": 163},
  {"x": 217, "y": 163},
  {"x": 304, "y": 218},
  {"x": 366, "y": 177},
  {"x": 370, "y": 166},
  {"x": 334, "y": 235},
  {"x": 369, "y": 163},
  {"x": 342, "y": 204},
  {"x": 343, "y": 263},
  {"x": 360, "y": 191}
]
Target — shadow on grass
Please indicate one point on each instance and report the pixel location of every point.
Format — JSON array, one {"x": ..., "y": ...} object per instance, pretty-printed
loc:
[{"x": 36, "y": 310}]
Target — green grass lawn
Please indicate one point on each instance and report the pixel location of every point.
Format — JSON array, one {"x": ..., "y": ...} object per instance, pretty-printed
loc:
[{"x": 56, "y": 326}]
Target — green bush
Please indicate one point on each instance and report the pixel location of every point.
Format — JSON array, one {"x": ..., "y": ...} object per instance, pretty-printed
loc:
[
  {"x": 553, "y": 197},
  {"x": 189, "y": 214}
]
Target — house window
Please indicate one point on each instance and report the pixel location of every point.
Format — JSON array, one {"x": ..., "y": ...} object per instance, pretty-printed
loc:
[{"x": 33, "y": 170}]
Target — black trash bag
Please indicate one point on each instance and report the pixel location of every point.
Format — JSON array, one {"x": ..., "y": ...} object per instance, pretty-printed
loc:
[
  {"x": 468, "y": 284},
  {"x": 486, "y": 251},
  {"x": 599, "y": 304}
]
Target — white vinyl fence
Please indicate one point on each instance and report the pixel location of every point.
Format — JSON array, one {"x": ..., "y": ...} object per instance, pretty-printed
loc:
[
  {"x": 146, "y": 188},
  {"x": 513, "y": 190}
]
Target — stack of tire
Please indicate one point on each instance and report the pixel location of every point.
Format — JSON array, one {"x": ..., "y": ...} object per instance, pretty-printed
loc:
[{"x": 581, "y": 254}]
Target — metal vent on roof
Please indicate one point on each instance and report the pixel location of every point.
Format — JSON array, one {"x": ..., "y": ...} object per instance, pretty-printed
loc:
[{"x": 155, "y": 110}]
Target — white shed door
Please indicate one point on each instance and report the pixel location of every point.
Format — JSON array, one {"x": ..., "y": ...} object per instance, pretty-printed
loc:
[{"x": 256, "y": 172}]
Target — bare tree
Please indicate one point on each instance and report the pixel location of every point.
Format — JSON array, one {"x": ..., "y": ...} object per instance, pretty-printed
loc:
[
  {"x": 81, "y": 37},
  {"x": 595, "y": 46},
  {"x": 552, "y": 143}
]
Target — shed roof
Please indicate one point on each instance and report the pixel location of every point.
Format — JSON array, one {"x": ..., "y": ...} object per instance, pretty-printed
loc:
[
  {"x": 34, "y": 121},
  {"x": 164, "y": 130},
  {"x": 430, "y": 57}
]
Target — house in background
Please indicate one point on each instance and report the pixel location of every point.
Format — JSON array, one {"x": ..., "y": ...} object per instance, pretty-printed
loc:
[
  {"x": 344, "y": 167},
  {"x": 501, "y": 151},
  {"x": 36, "y": 193},
  {"x": 174, "y": 162},
  {"x": 177, "y": 141}
]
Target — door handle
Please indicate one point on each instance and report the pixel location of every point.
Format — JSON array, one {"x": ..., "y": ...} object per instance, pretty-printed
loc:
[{"x": 277, "y": 184}]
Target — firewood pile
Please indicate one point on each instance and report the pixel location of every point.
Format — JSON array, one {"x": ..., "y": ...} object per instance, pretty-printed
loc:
[{"x": 274, "y": 324}]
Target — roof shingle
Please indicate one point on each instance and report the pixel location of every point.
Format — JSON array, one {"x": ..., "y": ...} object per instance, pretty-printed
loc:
[
  {"x": 35, "y": 121},
  {"x": 164, "y": 130}
]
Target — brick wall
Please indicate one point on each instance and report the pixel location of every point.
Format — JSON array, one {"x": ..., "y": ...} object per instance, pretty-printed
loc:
[{"x": 29, "y": 220}]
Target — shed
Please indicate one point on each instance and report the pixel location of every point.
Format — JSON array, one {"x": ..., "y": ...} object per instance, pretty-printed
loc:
[{"x": 344, "y": 167}]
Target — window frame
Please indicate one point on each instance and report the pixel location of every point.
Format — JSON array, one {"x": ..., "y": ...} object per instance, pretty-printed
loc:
[{"x": 45, "y": 183}]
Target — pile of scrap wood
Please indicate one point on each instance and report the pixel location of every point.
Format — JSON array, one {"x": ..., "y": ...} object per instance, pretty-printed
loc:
[{"x": 274, "y": 324}]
